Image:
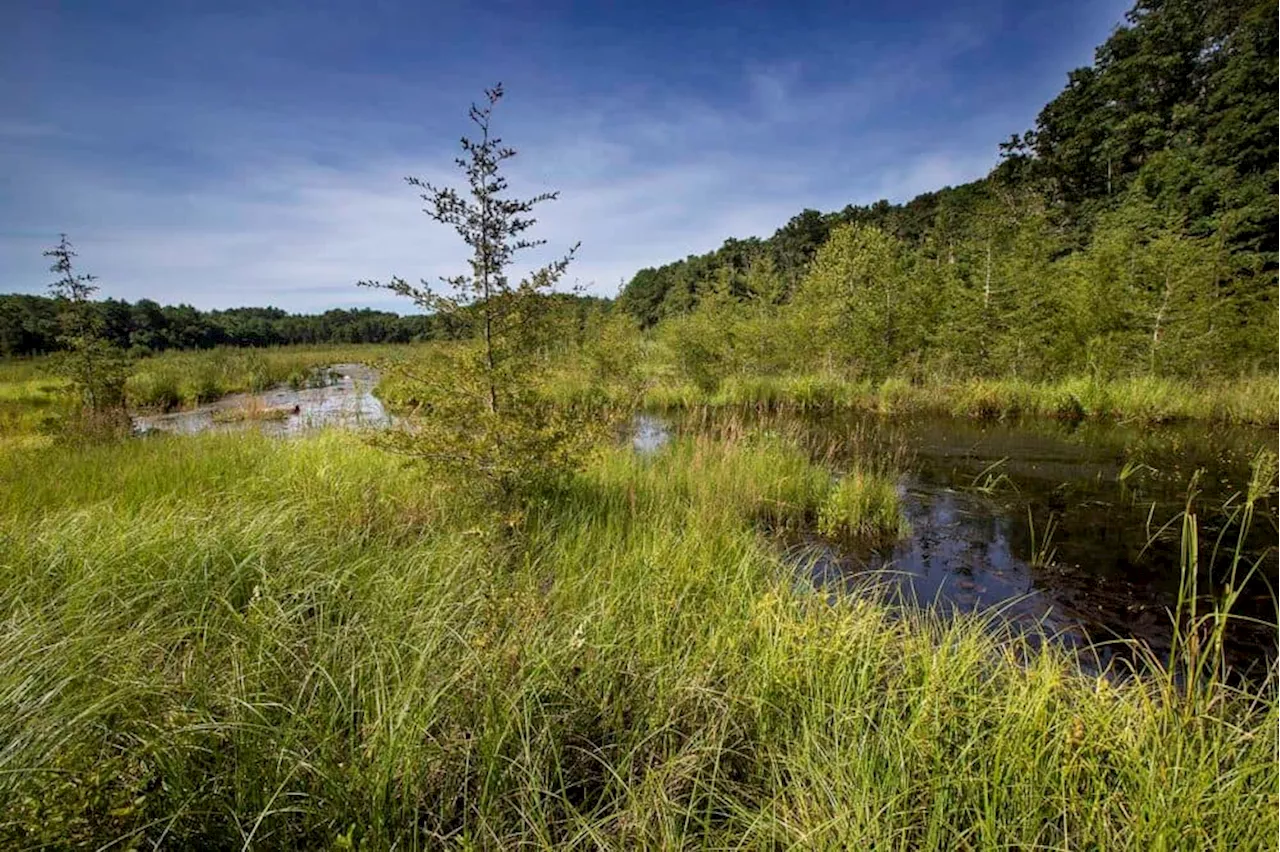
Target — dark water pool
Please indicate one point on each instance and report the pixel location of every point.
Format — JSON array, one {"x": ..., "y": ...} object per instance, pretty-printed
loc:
[{"x": 1073, "y": 527}]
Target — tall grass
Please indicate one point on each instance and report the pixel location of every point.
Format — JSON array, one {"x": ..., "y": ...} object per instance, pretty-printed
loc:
[
  {"x": 173, "y": 379},
  {"x": 28, "y": 406},
  {"x": 1147, "y": 400},
  {"x": 230, "y": 642},
  {"x": 862, "y": 504}
]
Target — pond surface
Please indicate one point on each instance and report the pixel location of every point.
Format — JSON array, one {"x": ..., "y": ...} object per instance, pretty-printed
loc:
[
  {"x": 348, "y": 401},
  {"x": 1093, "y": 500}
]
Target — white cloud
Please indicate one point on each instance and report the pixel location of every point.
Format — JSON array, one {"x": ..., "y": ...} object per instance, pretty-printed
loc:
[
  {"x": 294, "y": 213},
  {"x": 300, "y": 237}
]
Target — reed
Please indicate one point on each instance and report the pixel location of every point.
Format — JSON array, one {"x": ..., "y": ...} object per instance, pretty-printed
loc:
[
  {"x": 228, "y": 641},
  {"x": 174, "y": 379},
  {"x": 1245, "y": 400}
]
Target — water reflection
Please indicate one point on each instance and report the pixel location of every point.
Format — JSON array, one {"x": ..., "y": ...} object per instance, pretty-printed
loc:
[
  {"x": 348, "y": 402},
  {"x": 981, "y": 496},
  {"x": 649, "y": 433}
]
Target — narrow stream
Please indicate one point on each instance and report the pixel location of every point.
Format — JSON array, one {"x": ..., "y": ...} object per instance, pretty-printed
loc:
[{"x": 347, "y": 402}]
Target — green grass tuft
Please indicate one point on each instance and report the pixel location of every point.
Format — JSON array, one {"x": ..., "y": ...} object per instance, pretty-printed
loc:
[{"x": 862, "y": 504}]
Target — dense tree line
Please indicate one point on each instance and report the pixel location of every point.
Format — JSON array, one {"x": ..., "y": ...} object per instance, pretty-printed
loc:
[
  {"x": 29, "y": 325},
  {"x": 1133, "y": 230}
]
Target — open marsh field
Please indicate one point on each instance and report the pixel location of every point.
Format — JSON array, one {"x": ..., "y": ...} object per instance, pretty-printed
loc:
[
  {"x": 224, "y": 638},
  {"x": 945, "y": 522}
]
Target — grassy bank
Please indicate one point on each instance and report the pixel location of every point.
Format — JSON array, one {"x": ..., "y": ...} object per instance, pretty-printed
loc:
[
  {"x": 178, "y": 379},
  {"x": 1148, "y": 400},
  {"x": 232, "y": 642},
  {"x": 175, "y": 379},
  {"x": 186, "y": 378}
]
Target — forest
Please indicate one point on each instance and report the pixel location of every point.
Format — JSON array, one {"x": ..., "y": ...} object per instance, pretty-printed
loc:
[
  {"x": 1132, "y": 231},
  {"x": 29, "y": 325}
]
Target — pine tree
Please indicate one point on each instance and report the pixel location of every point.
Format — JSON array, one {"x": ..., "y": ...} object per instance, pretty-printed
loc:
[{"x": 859, "y": 296}]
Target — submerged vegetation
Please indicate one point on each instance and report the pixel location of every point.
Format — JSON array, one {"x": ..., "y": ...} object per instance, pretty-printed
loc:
[
  {"x": 251, "y": 410},
  {"x": 226, "y": 640}
]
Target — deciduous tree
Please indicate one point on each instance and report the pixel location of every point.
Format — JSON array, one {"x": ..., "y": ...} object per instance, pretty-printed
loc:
[
  {"x": 95, "y": 368},
  {"x": 484, "y": 411}
]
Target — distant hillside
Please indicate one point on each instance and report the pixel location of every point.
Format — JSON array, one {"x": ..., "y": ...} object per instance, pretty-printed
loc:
[
  {"x": 1174, "y": 126},
  {"x": 29, "y": 325}
]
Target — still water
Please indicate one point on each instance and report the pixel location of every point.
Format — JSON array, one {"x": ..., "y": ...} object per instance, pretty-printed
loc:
[
  {"x": 1074, "y": 529},
  {"x": 347, "y": 401}
]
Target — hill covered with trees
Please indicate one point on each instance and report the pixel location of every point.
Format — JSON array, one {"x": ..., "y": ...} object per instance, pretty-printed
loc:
[{"x": 1132, "y": 230}]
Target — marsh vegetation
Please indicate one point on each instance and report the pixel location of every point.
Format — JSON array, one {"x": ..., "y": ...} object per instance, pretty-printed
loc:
[
  {"x": 945, "y": 525},
  {"x": 224, "y": 638},
  {"x": 228, "y": 639}
]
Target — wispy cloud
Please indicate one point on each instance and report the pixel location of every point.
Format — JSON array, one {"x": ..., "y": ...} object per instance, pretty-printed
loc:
[
  {"x": 222, "y": 202},
  {"x": 18, "y": 129},
  {"x": 302, "y": 237}
]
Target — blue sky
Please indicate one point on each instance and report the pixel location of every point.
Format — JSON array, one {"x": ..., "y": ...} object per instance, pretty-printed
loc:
[{"x": 253, "y": 153}]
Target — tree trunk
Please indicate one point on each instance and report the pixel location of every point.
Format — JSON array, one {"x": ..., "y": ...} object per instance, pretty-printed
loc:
[{"x": 1159, "y": 319}]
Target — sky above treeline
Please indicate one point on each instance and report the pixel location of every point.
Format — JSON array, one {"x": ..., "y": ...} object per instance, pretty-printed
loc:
[{"x": 253, "y": 153}]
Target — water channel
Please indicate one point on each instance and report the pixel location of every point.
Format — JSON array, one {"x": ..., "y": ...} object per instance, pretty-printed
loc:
[
  {"x": 1070, "y": 528},
  {"x": 346, "y": 400}
]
